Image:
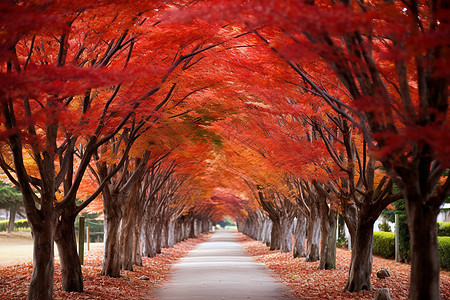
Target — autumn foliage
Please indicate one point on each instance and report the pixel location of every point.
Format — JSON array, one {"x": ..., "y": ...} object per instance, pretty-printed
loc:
[{"x": 170, "y": 115}]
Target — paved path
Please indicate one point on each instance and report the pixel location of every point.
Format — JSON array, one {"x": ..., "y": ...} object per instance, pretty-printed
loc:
[{"x": 219, "y": 269}]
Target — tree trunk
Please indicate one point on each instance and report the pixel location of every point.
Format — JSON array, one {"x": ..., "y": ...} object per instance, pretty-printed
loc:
[
  {"x": 41, "y": 284},
  {"x": 12, "y": 218},
  {"x": 127, "y": 231},
  {"x": 422, "y": 220},
  {"x": 192, "y": 229},
  {"x": 149, "y": 249},
  {"x": 361, "y": 261},
  {"x": 328, "y": 222},
  {"x": 71, "y": 275},
  {"x": 136, "y": 257},
  {"x": 171, "y": 233},
  {"x": 313, "y": 235},
  {"x": 285, "y": 234},
  {"x": 267, "y": 231},
  {"x": 275, "y": 235},
  {"x": 182, "y": 228},
  {"x": 253, "y": 228},
  {"x": 300, "y": 236},
  {"x": 157, "y": 236},
  {"x": 126, "y": 243},
  {"x": 111, "y": 254},
  {"x": 328, "y": 240},
  {"x": 164, "y": 233},
  {"x": 178, "y": 236}
]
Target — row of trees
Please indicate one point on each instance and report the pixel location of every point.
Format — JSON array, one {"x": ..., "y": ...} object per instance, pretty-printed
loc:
[
  {"x": 302, "y": 113},
  {"x": 96, "y": 99},
  {"x": 368, "y": 82}
]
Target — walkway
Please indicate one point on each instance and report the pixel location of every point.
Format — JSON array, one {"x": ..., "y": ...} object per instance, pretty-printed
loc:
[{"x": 219, "y": 269}]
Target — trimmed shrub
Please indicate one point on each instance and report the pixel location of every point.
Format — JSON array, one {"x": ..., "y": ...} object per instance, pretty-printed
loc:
[
  {"x": 384, "y": 244},
  {"x": 444, "y": 251},
  {"x": 18, "y": 225},
  {"x": 21, "y": 225},
  {"x": 4, "y": 225},
  {"x": 443, "y": 228}
]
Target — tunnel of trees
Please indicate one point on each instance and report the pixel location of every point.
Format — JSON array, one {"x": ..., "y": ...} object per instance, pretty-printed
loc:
[{"x": 169, "y": 115}]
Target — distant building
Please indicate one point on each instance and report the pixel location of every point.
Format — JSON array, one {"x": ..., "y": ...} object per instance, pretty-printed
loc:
[
  {"x": 444, "y": 215},
  {"x": 4, "y": 214}
]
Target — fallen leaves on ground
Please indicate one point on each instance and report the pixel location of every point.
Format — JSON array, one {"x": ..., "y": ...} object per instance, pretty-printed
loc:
[
  {"x": 14, "y": 280},
  {"x": 307, "y": 282}
]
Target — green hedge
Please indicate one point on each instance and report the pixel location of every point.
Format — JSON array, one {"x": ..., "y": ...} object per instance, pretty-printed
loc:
[
  {"x": 18, "y": 225},
  {"x": 444, "y": 251},
  {"x": 4, "y": 225},
  {"x": 443, "y": 228},
  {"x": 384, "y": 244}
]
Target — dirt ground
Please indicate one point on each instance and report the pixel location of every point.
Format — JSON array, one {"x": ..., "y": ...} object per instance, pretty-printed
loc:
[{"x": 17, "y": 247}]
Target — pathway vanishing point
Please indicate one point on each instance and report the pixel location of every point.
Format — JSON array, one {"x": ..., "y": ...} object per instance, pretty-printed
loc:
[{"x": 219, "y": 269}]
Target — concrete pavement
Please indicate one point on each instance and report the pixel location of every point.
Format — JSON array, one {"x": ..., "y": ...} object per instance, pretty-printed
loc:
[{"x": 219, "y": 269}]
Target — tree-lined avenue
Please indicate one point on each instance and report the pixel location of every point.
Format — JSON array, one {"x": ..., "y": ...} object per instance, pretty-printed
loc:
[
  {"x": 219, "y": 269},
  {"x": 168, "y": 116}
]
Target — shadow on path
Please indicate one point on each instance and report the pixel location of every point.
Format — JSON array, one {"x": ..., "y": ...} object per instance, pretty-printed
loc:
[{"x": 219, "y": 269}]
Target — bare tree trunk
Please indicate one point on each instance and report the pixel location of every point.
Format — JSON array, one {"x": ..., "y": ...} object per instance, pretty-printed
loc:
[
  {"x": 253, "y": 227},
  {"x": 177, "y": 230},
  {"x": 300, "y": 236},
  {"x": 164, "y": 233},
  {"x": 111, "y": 254},
  {"x": 41, "y": 284},
  {"x": 171, "y": 233},
  {"x": 136, "y": 257},
  {"x": 128, "y": 227},
  {"x": 425, "y": 269},
  {"x": 285, "y": 234},
  {"x": 361, "y": 261},
  {"x": 126, "y": 244},
  {"x": 313, "y": 235},
  {"x": 157, "y": 236},
  {"x": 71, "y": 275},
  {"x": 12, "y": 218},
  {"x": 328, "y": 240},
  {"x": 192, "y": 229},
  {"x": 275, "y": 235},
  {"x": 150, "y": 249},
  {"x": 267, "y": 235},
  {"x": 328, "y": 232}
]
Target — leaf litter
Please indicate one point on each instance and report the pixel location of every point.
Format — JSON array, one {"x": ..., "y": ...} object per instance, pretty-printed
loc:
[
  {"x": 305, "y": 281},
  {"x": 15, "y": 279}
]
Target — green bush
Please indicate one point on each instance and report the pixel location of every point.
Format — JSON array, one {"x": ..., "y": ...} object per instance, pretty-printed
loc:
[
  {"x": 18, "y": 225},
  {"x": 4, "y": 225},
  {"x": 403, "y": 239},
  {"x": 384, "y": 244},
  {"x": 443, "y": 228},
  {"x": 21, "y": 225},
  {"x": 384, "y": 226},
  {"x": 444, "y": 251}
]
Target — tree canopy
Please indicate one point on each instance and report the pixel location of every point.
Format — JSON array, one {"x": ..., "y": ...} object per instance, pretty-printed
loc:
[{"x": 174, "y": 114}]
